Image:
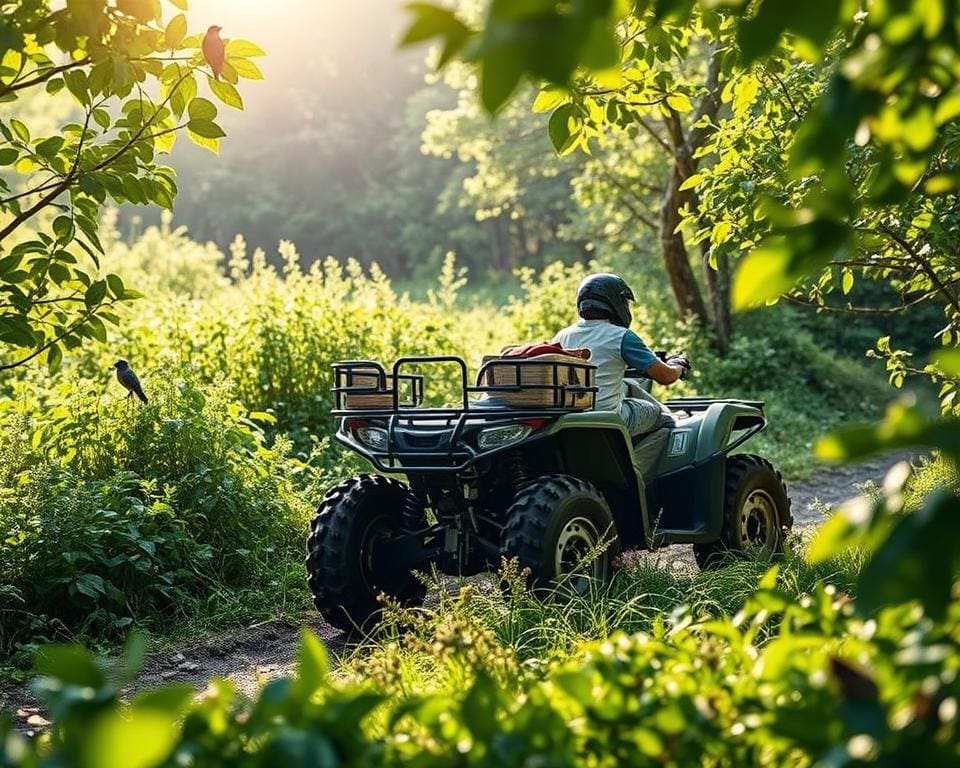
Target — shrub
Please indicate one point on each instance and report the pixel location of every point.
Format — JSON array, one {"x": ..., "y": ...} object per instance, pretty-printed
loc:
[{"x": 113, "y": 512}]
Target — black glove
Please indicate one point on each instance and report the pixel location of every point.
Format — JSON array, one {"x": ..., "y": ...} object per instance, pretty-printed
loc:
[{"x": 681, "y": 362}]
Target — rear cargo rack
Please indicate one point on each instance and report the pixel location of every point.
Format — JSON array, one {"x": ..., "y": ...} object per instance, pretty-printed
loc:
[
  {"x": 558, "y": 384},
  {"x": 428, "y": 439}
]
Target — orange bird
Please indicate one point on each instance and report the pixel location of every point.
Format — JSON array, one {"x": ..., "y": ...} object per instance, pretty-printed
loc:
[{"x": 214, "y": 50}]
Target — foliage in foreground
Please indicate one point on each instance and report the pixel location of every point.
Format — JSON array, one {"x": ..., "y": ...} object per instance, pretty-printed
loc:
[{"x": 823, "y": 680}]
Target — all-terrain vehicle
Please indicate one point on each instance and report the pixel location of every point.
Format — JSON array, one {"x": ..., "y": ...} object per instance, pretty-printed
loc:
[{"x": 523, "y": 467}]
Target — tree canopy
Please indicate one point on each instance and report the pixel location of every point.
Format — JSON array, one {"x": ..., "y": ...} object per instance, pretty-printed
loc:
[
  {"x": 821, "y": 143},
  {"x": 134, "y": 82}
]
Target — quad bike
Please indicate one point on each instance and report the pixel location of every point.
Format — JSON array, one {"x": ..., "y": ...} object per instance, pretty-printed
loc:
[{"x": 528, "y": 471}]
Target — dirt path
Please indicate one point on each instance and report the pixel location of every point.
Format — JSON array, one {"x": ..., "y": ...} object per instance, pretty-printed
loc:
[{"x": 252, "y": 655}]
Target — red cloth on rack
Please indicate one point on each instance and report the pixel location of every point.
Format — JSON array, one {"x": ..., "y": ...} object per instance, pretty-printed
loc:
[{"x": 543, "y": 348}]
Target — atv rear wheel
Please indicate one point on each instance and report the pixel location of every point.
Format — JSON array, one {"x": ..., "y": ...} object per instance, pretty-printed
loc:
[
  {"x": 756, "y": 513},
  {"x": 348, "y": 551},
  {"x": 561, "y": 528}
]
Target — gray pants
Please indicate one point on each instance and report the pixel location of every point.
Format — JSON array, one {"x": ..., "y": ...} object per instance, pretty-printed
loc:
[
  {"x": 642, "y": 412},
  {"x": 645, "y": 415}
]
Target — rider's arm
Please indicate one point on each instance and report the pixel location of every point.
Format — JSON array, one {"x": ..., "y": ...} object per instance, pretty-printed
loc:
[
  {"x": 637, "y": 355},
  {"x": 663, "y": 373}
]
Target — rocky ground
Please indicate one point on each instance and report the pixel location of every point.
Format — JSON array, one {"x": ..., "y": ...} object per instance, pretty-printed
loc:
[{"x": 249, "y": 656}]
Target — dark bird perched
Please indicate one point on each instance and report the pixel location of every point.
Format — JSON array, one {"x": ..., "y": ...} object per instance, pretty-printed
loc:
[
  {"x": 128, "y": 379},
  {"x": 214, "y": 50}
]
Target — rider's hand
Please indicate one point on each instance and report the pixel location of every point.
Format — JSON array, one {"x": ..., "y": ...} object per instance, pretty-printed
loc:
[{"x": 681, "y": 362}]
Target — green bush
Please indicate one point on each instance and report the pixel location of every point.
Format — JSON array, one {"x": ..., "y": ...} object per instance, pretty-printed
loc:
[{"x": 114, "y": 513}]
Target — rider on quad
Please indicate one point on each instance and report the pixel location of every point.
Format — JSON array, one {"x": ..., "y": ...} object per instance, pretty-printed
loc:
[{"x": 603, "y": 303}]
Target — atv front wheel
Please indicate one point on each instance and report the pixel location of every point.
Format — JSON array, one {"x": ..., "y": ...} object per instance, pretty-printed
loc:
[
  {"x": 349, "y": 559},
  {"x": 756, "y": 513},
  {"x": 561, "y": 529}
]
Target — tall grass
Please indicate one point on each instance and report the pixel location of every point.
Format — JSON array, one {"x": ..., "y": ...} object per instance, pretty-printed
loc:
[{"x": 499, "y": 627}]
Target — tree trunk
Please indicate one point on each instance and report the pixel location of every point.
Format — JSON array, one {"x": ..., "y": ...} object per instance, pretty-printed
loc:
[
  {"x": 675, "y": 257},
  {"x": 718, "y": 290}
]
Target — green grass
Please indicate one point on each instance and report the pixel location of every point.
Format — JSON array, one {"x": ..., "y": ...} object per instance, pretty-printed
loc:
[{"x": 498, "y": 625}]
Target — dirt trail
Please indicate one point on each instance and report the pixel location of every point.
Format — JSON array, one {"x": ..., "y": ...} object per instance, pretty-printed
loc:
[{"x": 249, "y": 656}]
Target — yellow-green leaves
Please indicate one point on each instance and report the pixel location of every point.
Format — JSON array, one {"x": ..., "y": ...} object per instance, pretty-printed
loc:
[
  {"x": 176, "y": 32},
  {"x": 679, "y": 102},
  {"x": 550, "y": 98},
  {"x": 764, "y": 274},
  {"x": 201, "y": 127},
  {"x": 243, "y": 49},
  {"x": 142, "y": 10},
  {"x": 312, "y": 663},
  {"x": 107, "y": 149},
  {"x": 202, "y": 109},
  {"x": 564, "y": 128},
  {"x": 226, "y": 92},
  {"x": 139, "y": 737}
]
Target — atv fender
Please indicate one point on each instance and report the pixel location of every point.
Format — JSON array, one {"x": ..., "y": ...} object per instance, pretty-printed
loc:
[{"x": 595, "y": 446}]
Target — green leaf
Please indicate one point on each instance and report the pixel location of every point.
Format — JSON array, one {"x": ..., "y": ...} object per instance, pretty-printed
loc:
[
  {"x": 759, "y": 34},
  {"x": 142, "y": 10},
  {"x": 947, "y": 360},
  {"x": 96, "y": 329},
  {"x": 243, "y": 49},
  {"x": 227, "y": 93},
  {"x": 176, "y": 31},
  {"x": 601, "y": 49},
  {"x": 847, "y": 281},
  {"x": 691, "y": 182},
  {"x": 312, "y": 663},
  {"x": 782, "y": 260},
  {"x": 111, "y": 736},
  {"x": 54, "y": 358},
  {"x": 679, "y": 102},
  {"x": 431, "y": 21},
  {"x": 69, "y": 664},
  {"x": 95, "y": 293},
  {"x": 549, "y": 99},
  {"x": 115, "y": 284},
  {"x": 21, "y": 131},
  {"x": 202, "y": 109},
  {"x": 206, "y": 129},
  {"x": 213, "y": 145},
  {"x": 246, "y": 68},
  {"x": 500, "y": 74},
  {"x": 563, "y": 127},
  {"x": 76, "y": 80},
  {"x": 8, "y": 156},
  {"x": 16, "y": 330},
  {"x": 48, "y": 148},
  {"x": 64, "y": 229},
  {"x": 903, "y": 426},
  {"x": 918, "y": 561}
]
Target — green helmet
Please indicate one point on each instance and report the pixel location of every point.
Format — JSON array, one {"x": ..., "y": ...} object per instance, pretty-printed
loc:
[{"x": 606, "y": 293}]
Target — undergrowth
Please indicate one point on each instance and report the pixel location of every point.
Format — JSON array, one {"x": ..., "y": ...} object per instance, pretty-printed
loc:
[{"x": 190, "y": 512}]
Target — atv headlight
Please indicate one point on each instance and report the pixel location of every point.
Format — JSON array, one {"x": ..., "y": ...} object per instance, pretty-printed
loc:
[
  {"x": 498, "y": 436},
  {"x": 373, "y": 437}
]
